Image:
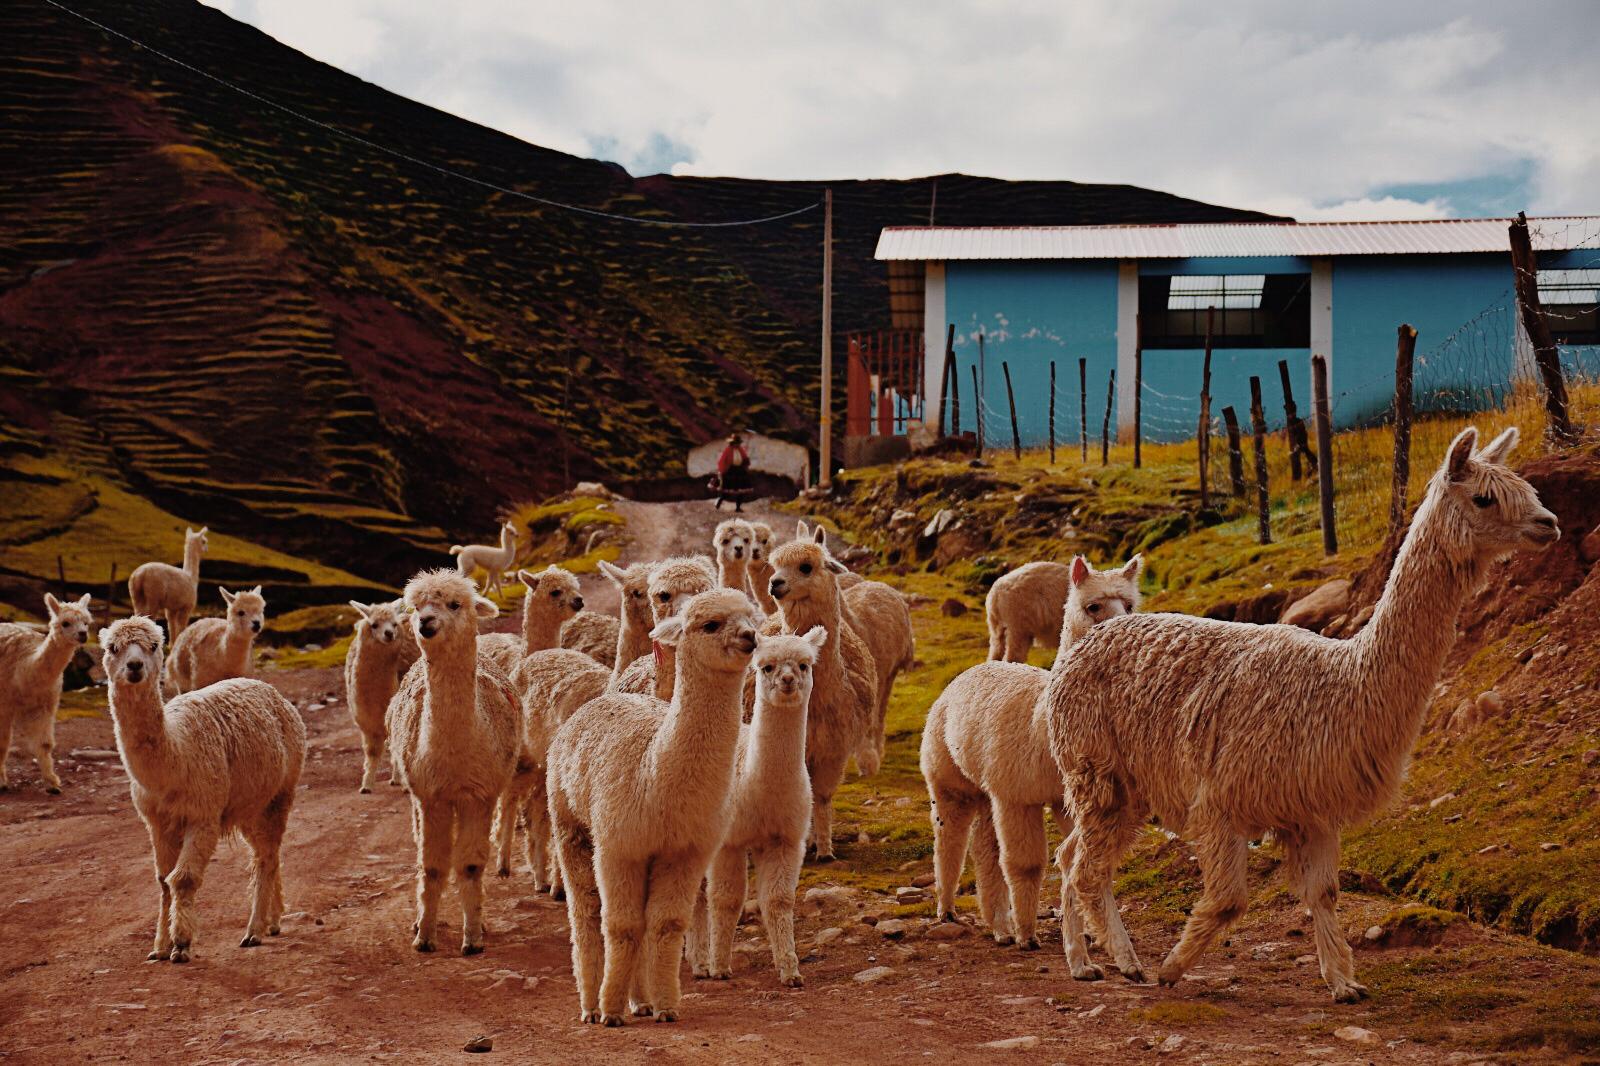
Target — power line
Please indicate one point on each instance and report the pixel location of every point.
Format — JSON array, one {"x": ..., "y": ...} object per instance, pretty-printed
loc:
[{"x": 397, "y": 154}]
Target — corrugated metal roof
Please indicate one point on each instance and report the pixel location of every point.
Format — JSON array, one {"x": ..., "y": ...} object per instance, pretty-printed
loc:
[{"x": 1228, "y": 239}]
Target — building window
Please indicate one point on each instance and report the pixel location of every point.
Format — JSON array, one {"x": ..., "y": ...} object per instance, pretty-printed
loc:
[
  {"x": 1252, "y": 310},
  {"x": 1571, "y": 299}
]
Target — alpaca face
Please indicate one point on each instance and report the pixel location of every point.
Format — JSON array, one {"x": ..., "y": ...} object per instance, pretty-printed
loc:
[
  {"x": 800, "y": 570},
  {"x": 633, "y": 588},
  {"x": 383, "y": 619},
  {"x": 715, "y": 629},
  {"x": 70, "y": 619},
  {"x": 130, "y": 651},
  {"x": 246, "y": 610},
  {"x": 195, "y": 540},
  {"x": 1492, "y": 511},
  {"x": 675, "y": 581},
  {"x": 445, "y": 607},
  {"x": 1099, "y": 595},
  {"x": 783, "y": 667},
  {"x": 760, "y": 548},
  {"x": 732, "y": 541},
  {"x": 554, "y": 589}
]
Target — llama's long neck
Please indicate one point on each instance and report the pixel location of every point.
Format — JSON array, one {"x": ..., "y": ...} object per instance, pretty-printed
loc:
[
  {"x": 733, "y": 573},
  {"x": 760, "y": 575},
  {"x": 777, "y": 743},
  {"x": 191, "y": 560},
  {"x": 452, "y": 691},
  {"x": 236, "y": 644},
  {"x": 1073, "y": 626},
  {"x": 140, "y": 724},
  {"x": 666, "y": 671},
  {"x": 821, "y": 608},
  {"x": 541, "y": 629},
  {"x": 695, "y": 745},
  {"x": 633, "y": 638},
  {"x": 52, "y": 655}
]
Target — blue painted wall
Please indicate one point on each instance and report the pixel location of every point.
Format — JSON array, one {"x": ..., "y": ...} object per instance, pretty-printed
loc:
[{"x": 1030, "y": 313}]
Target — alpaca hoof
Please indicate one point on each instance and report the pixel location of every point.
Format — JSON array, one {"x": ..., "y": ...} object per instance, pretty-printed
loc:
[
  {"x": 558, "y": 894},
  {"x": 158, "y": 955},
  {"x": 1135, "y": 975},
  {"x": 274, "y": 931},
  {"x": 668, "y": 1015},
  {"x": 1168, "y": 977},
  {"x": 1030, "y": 944},
  {"x": 1004, "y": 940},
  {"x": 613, "y": 1021},
  {"x": 721, "y": 975},
  {"x": 472, "y": 949},
  {"x": 641, "y": 1010},
  {"x": 589, "y": 1017},
  {"x": 948, "y": 916},
  {"x": 1088, "y": 972},
  {"x": 364, "y": 790},
  {"x": 699, "y": 973},
  {"x": 422, "y": 943},
  {"x": 1350, "y": 993},
  {"x": 179, "y": 954},
  {"x": 250, "y": 941},
  {"x": 54, "y": 790},
  {"x": 822, "y": 860},
  {"x": 794, "y": 981},
  {"x": 504, "y": 871}
]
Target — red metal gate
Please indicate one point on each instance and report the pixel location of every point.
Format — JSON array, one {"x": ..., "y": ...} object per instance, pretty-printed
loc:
[{"x": 885, "y": 383}]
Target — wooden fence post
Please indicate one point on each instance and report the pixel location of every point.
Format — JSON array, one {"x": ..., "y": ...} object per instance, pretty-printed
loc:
[
  {"x": 111, "y": 593},
  {"x": 1083, "y": 407},
  {"x": 1526, "y": 270},
  {"x": 955, "y": 391},
  {"x": 1404, "y": 351},
  {"x": 1138, "y": 391},
  {"x": 944, "y": 375},
  {"x": 1324, "y": 416},
  {"x": 1105, "y": 427},
  {"x": 61, "y": 572},
  {"x": 1235, "y": 452},
  {"x": 1258, "y": 426},
  {"x": 977, "y": 405},
  {"x": 1294, "y": 427},
  {"x": 1052, "y": 412},
  {"x": 1203, "y": 431},
  {"x": 1011, "y": 402}
]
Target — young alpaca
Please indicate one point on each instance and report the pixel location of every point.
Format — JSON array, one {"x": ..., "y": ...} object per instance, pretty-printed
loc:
[
  {"x": 454, "y": 724},
  {"x": 731, "y": 542},
  {"x": 1024, "y": 608},
  {"x": 639, "y": 794},
  {"x": 494, "y": 560},
  {"x": 1225, "y": 730},
  {"x": 162, "y": 589},
  {"x": 673, "y": 582},
  {"x": 771, "y": 813},
  {"x": 226, "y": 758},
  {"x": 550, "y": 599},
  {"x": 843, "y": 695},
  {"x": 31, "y": 665},
  {"x": 986, "y": 759},
  {"x": 761, "y": 567},
  {"x": 381, "y": 652},
  {"x": 216, "y": 648}
]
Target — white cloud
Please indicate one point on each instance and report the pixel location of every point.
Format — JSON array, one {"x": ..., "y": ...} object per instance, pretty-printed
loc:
[{"x": 1309, "y": 111}]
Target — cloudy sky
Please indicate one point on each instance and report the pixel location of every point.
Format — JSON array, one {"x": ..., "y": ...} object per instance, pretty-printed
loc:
[{"x": 1359, "y": 109}]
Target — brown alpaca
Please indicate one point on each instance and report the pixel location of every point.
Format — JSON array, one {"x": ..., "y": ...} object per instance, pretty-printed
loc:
[
  {"x": 381, "y": 652},
  {"x": 31, "y": 665},
  {"x": 1023, "y": 608},
  {"x": 158, "y": 589},
  {"x": 213, "y": 649},
  {"x": 761, "y": 567},
  {"x": 1225, "y": 730},
  {"x": 550, "y": 599}
]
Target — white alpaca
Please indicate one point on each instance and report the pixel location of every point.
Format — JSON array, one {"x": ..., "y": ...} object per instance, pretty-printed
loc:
[
  {"x": 731, "y": 543},
  {"x": 986, "y": 759},
  {"x": 761, "y": 567},
  {"x": 1225, "y": 730},
  {"x": 550, "y": 599},
  {"x": 157, "y": 589},
  {"x": 454, "y": 727},
  {"x": 216, "y": 648},
  {"x": 673, "y": 583},
  {"x": 771, "y": 804},
  {"x": 222, "y": 759},
  {"x": 639, "y": 801},
  {"x": 31, "y": 665},
  {"x": 1024, "y": 608},
  {"x": 494, "y": 560},
  {"x": 380, "y": 653}
]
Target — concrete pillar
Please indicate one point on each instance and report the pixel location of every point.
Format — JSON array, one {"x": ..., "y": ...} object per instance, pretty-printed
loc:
[
  {"x": 1322, "y": 315},
  {"x": 1127, "y": 341},
  {"x": 934, "y": 324}
]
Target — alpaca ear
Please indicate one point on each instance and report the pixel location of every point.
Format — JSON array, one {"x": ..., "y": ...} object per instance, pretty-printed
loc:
[
  {"x": 256, "y": 590},
  {"x": 668, "y": 630},
  {"x": 802, "y": 531},
  {"x": 1080, "y": 571},
  {"x": 613, "y": 573},
  {"x": 204, "y": 530},
  {"x": 816, "y": 636},
  {"x": 1497, "y": 450},
  {"x": 528, "y": 578},
  {"x": 83, "y": 601},
  {"x": 1460, "y": 453},
  {"x": 819, "y": 535},
  {"x": 188, "y": 531},
  {"x": 228, "y": 597},
  {"x": 101, "y": 637},
  {"x": 834, "y": 565},
  {"x": 52, "y": 604},
  {"x": 484, "y": 608},
  {"x": 362, "y": 609},
  {"x": 1134, "y": 567}
]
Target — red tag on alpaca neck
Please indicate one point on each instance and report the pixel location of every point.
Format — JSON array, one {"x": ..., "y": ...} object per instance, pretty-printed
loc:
[{"x": 657, "y": 652}]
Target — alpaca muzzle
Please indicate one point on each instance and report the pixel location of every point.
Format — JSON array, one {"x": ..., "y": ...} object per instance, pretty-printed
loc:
[
  {"x": 428, "y": 627},
  {"x": 1543, "y": 530},
  {"x": 778, "y": 587},
  {"x": 577, "y": 603}
]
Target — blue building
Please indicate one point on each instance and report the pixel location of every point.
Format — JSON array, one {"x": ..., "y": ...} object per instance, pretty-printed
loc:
[{"x": 1280, "y": 291}]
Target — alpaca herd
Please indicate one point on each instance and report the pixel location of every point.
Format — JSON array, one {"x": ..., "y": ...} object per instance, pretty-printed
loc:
[{"x": 652, "y": 758}]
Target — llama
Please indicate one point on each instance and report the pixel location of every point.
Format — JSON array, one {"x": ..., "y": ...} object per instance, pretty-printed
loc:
[
  {"x": 494, "y": 560},
  {"x": 771, "y": 804},
  {"x": 454, "y": 724},
  {"x": 1023, "y": 608},
  {"x": 731, "y": 543},
  {"x": 639, "y": 791},
  {"x": 1225, "y": 730},
  {"x": 163, "y": 589},
  {"x": 380, "y": 653},
  {"x": 986, "y": 759},
  {"x": 594, "y": 634},
  {"x": 673, "y": 582},
  {"x": 805, "y": 584},
  {"x": 216, "y": 648},
  {"x": 31, "y": 665},
  {"x": 550, "y": 599},
  {"x": 761, "y": 567},
  {"x": 225, "y": 758}
]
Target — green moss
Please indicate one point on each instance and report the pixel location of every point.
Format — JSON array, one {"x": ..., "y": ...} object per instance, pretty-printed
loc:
[{"x": 1177, "y": 1012}]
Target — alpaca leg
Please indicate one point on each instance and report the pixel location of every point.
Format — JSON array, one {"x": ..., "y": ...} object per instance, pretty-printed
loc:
[
  {"x": 576, "y": 857},
  {"x": 166, "y": 843},
  {"x": 1102, "y": 837},
  {"x": 433, "y": 865},
  {"x": 185, "y": 879},
  {"x": 994, "y": 904},
  {"x": 536, "y": 842},
  {"x": 260, "y": 887},
  {"x": 697, "y": 944},
  {"x": 472, "y": 855},
  {"x": 274, "y": 823},
  {"x": 777, "y": 877},
  {"x": 1073, "y": 941},
  {"x": 371, "y": 754},
  {"x": 504, "y": 834},
  {"x": 40, "y": 741},
  {"x": 6, "y": 713},
  {"x": 1022, "y": 856},
  {"x": 672, "y": 890},
  {"x": 827, "y": 770},
  {"x": 952, "y": 815},
  {"x": 1223, "y": 865},
  {"x": 725, "y": 899},
  {"x": 1314, "y": 868},
  {"x": 997, "y": 641},
  {"x": 1018, "y": 644},
  {"x": 622, "y": 884}
]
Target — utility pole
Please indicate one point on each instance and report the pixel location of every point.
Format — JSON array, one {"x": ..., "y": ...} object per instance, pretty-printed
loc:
[{"x": 825, "y": 474}]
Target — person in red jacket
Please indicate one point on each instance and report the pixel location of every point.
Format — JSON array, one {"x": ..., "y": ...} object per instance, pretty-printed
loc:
[{"x": 733, "y": 473}]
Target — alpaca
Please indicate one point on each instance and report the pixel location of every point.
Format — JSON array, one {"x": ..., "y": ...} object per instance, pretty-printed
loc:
[
  {"x": 162, "y": 589},
  {"x": 881, "y": 618},
  {"x": 380, "y": 653},
  {"x": 731, "y": 543},
  {"x": 848, "y": 578},
  {"x": 216, "y": 648},
  {"x": 844, "y": 692},
  {"x": 31, "y": 665},
  {"x": 454, "y": 724},
  {"x": 494, "y": 560},
  {"x": 1023, "y": 608},
  {"x": 673, "y": 582},
  {"x": 225, "y": 758},
  {"x": 550, "y": 599},
  {"x": 639, "y": 792},
  {"x": 761, "y": 567},
  {"x": 771, "y": 804},
  {"x": 1225, "y": 730},
  {"x": 986, "y": 759},
  {"x": 594, "y": 634}
]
